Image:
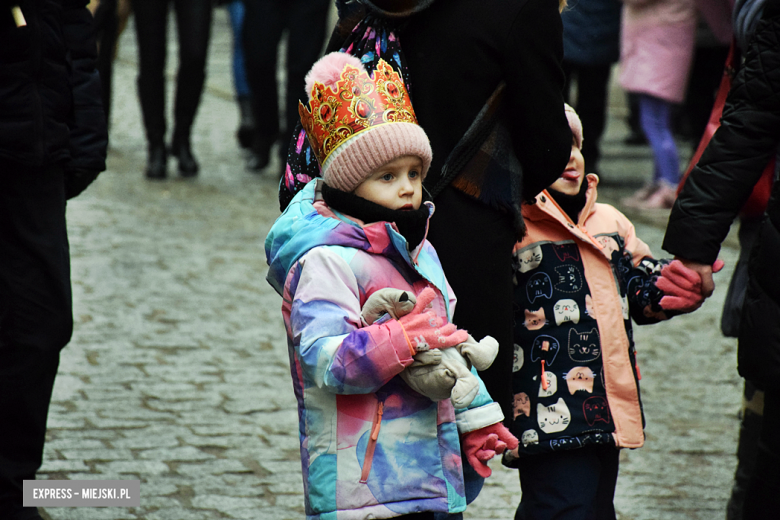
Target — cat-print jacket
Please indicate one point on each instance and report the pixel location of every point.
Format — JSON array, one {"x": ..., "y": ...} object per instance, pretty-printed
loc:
[
  {"x": 371, "y": 447},
  {"x": 575, "y": 378}
]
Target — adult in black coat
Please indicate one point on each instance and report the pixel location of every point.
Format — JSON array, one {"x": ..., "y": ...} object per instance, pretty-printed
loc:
[
  {"x": 52, "y": 144},
  {"x": 713, "y": 195},
  {"x": 458, "y": 51}
]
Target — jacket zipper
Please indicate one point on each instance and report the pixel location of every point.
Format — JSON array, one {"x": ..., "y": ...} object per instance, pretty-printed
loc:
[{"x": 369, "y": 458}]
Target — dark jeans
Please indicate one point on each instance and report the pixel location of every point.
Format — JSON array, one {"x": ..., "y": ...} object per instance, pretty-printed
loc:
[
  {"x": 592, "y": 92},
  {"x": 762, "y": 499},
  {"x": 569, "y": 485},
  {"x": 474, "y": 243},
  {"x": 265, "y": 22},
  {"x": 35, "y": 318},
  {"x": 193, "y": 20}
]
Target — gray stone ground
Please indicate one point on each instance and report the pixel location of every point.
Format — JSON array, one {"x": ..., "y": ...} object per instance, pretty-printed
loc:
[{"x": 177, "y": 373}]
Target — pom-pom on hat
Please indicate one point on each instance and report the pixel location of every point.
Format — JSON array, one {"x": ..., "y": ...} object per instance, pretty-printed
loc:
[
  {"x": 575, "y": 124},
  {"x": 356, "y": 122}
]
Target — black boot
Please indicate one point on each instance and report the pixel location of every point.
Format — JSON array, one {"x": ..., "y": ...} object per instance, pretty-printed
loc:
[
  {"x": 246, "y": 123},
  {"x": 260, "y": 155},
  {"x": 156, "y": 165},
  {"x": 180, "y": 148}
]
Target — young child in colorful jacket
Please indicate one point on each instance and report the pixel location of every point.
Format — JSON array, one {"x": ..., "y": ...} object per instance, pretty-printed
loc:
[
  {"x": 371, "y": 447},
  {"x": 581, "y": 275}
]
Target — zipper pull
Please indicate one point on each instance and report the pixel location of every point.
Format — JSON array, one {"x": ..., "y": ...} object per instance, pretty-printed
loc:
[
  {"x": 375, "y": 430},
  {"x": 545, "y": 384}
]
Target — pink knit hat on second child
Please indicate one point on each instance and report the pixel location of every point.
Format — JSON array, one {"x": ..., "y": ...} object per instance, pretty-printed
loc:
[
  {"x": 357, "y": 122},
  {"x": 575, "y": 124}
]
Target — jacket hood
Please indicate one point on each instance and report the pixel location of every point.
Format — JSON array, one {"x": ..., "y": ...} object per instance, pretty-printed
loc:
[{"x": 308, "y": 222}]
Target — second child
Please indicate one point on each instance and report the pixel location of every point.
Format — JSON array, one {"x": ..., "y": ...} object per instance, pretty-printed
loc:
[{"x": 581, "y": 276}]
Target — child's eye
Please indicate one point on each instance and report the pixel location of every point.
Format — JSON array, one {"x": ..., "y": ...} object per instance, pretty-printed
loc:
[
  {"x": 413, "y": 174},
  {"x": 387, "y": 177}
]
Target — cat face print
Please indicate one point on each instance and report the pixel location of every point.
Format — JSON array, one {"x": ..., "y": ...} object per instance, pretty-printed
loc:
[
  {"x": 518, "y": 358},
  {"x": 539, "y": 285},
  {"x": 596, "y": 410},
  {"x": 546, "y": 348},
  {"x": 566, "y": 310},
  {"x": 580, "y": 378},
  {"x": 608, "y": 244},
  {"x": 569, "y": 279},
  {"x": 528, "y": 259},
  {"x": 567, "y": 252},
  {"x": 535, "y": 320},
  {"x": 530, "y": 437},
  {"x": 552, "y": 385},
  {"x": 584, "y": 346},
  {"x": 554, "y": 418},
  {"x": 522, "y": 405}
]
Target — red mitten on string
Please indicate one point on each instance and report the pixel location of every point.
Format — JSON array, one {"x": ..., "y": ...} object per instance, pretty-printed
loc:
[
  {"x": 482, "y": 445},
  {"x": 682, "y": 286},
  {"x": 424, "y": 330}
]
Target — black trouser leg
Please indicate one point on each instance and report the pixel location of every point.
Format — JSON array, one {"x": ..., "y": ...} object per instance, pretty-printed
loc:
[
  {"x": 264, "y": 24},
  {"x": 481, "y": 279},
  {"x": 762, "y": 499},
  {"x": 592, "y": 91},
  {"x": 193, "y": 20},
  {"x": 107, "y": 26},
  {"x": 35, "y": 319},
  {"x": 151, "y": 22},
  {"x": 305, "y": 39}
]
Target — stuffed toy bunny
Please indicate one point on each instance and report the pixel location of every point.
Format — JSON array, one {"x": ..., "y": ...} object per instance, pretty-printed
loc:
[{"x": 436, "y": 373}]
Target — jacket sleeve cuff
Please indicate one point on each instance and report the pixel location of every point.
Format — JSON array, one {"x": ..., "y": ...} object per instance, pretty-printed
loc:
[
  {"x": 400, "y": 342},
  {"x": 476, "y": 418}
]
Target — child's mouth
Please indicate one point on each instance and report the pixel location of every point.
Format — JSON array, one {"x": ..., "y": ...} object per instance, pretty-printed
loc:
[{"x": 570, "y": 175}]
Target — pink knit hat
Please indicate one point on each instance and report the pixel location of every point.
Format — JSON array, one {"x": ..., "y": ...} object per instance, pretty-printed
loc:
[
  {"x": 356, "y": 122},
  {"x": 575, "y": 124}
]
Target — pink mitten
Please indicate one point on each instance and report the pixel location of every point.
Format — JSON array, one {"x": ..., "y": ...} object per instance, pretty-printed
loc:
[
  {"x": 682, "y": 286},
  {"x": 425, "y": 330},
  {"x": 482, "y": 445}
]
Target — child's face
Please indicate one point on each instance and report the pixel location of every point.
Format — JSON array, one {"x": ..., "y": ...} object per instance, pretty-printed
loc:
[
  {"x": 395, "y": 185},
  {"x": 570, "y": 182}
]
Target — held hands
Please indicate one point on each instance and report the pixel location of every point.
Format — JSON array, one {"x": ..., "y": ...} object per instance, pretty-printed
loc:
[
  {"x": 684, "y": 287},
  {"x": 482, "y": 445},
  {"x": 424, "y": 330}
]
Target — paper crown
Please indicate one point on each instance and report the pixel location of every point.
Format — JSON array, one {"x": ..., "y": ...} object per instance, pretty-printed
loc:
[{"x": 355, "y": 102}]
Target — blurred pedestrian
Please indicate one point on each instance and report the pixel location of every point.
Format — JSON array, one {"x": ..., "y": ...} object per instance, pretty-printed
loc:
[
  {"x": 712, "y": 196},
  {"x": 246, "y": 122},
  {"x": 52, "y": 145},
  {"x": 657, "y": 41},
  {"x": 591, "y": 44},
  {"x": 193, "y": 23},
  {"x": 266, "y": 22}
]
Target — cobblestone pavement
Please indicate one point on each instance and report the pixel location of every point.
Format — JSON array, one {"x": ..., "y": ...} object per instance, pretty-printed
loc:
[{"x": 177, "y": 373}]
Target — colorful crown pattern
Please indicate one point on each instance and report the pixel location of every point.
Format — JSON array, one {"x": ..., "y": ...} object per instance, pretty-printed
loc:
[{"x": 358, "y": 103}]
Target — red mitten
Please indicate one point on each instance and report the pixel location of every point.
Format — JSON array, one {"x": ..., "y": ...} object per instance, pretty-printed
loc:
[
  {"x": 682, "y": 286},
  {"x": 424, "y": 330},
  {"x": 482, "y": 445}
]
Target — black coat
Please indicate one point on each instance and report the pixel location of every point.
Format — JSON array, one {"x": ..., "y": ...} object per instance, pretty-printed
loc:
[
  {"x": 50, "y": 102},
  {"x": 459, "y": 50},
  {"x": 720, "y": 184}
]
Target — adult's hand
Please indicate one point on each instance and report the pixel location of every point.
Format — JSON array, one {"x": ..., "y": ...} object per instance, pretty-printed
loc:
[{"x": 705, "y": 273}]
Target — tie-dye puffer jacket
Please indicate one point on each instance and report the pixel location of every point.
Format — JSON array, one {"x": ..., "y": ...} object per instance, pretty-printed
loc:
[{"x": 371, "y": 447}]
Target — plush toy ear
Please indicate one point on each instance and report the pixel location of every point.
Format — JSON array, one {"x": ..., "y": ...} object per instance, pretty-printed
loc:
[{"x": 328, "y": 70}]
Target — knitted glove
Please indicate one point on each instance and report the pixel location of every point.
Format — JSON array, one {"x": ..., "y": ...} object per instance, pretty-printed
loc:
[
  {"x": 394, "y": 302},
  {"x": 424, "y": 330},
  {"x": 682, "y": 287},
  {"x": 482, "y": 445}
]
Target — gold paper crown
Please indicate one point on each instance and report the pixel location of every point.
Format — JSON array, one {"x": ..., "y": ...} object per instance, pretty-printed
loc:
[{"x": 358, "y": 103}]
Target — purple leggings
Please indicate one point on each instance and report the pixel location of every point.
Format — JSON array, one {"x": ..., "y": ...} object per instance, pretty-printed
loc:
[{"x": 655, "y": 118}]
